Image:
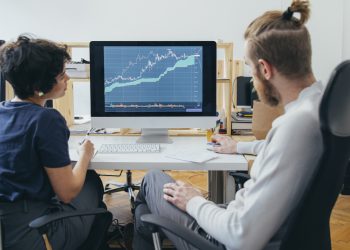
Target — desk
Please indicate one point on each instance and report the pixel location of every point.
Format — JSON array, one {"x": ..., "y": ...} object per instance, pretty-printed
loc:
[
  {"x": 143, "y": 161},
  {"x": 219, "y": 187}
]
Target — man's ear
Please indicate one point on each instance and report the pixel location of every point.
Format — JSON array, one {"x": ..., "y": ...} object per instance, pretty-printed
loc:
[{"x": 265, "y": 68}]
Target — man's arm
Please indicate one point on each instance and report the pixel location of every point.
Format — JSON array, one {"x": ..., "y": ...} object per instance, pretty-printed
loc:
[
  {"x": 252, "y": 148},
  {"x": 231, "y": 146},
  {"x": 280, "y": 174}
]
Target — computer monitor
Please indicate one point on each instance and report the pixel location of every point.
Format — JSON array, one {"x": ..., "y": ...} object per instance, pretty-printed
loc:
[
  {"x": 153, "y": 85},
  {"x": 243, "y": 92},
  {"x": 2, "y": 81}
]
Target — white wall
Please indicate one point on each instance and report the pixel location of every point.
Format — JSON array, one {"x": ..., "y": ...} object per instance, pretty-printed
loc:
[
  {"x": 346, "y": 30},
  {"x": 85, "y": 20}
]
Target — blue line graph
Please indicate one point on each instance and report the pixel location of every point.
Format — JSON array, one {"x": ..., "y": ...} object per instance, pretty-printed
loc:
[{"x": 154, "y": 75}]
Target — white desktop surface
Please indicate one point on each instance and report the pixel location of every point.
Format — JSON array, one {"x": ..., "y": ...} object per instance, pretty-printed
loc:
[{"x": 144, "y": 161}]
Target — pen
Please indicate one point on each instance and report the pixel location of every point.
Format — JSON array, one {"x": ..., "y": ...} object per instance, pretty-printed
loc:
[
  {"x": 86, "y": 136},
  {"x": 102, "y": 130}
]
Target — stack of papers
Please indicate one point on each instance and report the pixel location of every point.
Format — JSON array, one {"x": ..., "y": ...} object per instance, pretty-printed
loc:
[{"x": 197, "y": 156}]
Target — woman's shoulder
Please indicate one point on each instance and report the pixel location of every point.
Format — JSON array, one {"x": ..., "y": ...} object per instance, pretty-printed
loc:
[{"x": 50, "y": 117}]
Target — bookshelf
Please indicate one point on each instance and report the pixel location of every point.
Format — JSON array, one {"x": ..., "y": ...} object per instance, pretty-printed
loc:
[
  {"x": 227, "y": 70},
  {"x": 65, "y": 104}
]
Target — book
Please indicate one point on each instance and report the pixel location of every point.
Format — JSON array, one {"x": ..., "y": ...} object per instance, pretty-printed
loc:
[
  {"x": 237, "y": 118},
  {"x": 241, "y": 125}
]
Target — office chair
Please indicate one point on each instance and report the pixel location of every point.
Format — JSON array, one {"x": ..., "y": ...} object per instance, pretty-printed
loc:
[
  {"x": 97, "y": 235},
  {"x": 307, "y": 227},
  {"x": 346, "y": 186},
  {"x": 128, "y": 187},
  {"x": 1, "y": 236}
]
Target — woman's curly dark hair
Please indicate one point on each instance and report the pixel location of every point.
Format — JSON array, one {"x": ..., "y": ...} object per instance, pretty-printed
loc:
[{"x": 30, "y": 64}]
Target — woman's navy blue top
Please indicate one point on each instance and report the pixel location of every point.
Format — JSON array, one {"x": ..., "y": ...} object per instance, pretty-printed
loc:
[{"x": 31, "y": 138}]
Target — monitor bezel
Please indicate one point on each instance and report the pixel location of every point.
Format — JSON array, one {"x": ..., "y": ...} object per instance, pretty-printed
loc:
[{"x": 209, "y": 78}]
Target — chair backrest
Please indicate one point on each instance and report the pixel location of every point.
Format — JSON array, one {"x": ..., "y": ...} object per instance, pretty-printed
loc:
[
  {"x": 1, "y": 236},
  {"x": 98, "y": 234},
  {"x": 308, "y": 226}
]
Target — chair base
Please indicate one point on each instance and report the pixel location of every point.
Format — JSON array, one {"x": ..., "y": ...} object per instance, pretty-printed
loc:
[{"x": 128, "y": 187}]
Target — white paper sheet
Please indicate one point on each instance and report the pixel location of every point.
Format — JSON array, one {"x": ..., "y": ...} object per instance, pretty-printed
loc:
[{"x": 197, "y": 156}]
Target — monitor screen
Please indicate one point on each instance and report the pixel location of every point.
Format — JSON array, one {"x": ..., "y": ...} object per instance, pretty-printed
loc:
[
  {"x": 243, "y": 88},
  {"x": 153, "y": 79}
]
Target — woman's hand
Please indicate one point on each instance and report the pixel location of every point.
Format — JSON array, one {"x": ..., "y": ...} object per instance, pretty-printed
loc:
[{"x": 87, "y": 149}]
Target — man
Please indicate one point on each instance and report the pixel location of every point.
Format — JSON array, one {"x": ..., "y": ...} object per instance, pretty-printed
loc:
[{"x": 278, "y": 49}]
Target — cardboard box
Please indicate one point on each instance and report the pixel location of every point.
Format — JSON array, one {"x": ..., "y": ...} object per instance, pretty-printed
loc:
[{"x": 263, "y": 116}]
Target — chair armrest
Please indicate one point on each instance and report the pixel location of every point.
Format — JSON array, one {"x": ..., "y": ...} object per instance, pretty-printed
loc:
[
  {"x": 42, "y": 221},
  {"x": 188, "y": 235},
  {"x": 242, "y": 176}
]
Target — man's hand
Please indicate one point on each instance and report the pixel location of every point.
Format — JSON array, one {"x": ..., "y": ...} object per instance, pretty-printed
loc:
[
  {"x": 227, "y": 144},
  {"x": 179, "y": 193}
]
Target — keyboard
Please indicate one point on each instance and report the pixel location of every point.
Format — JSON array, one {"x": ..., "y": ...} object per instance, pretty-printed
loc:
[{"x": 129, "y": 148}]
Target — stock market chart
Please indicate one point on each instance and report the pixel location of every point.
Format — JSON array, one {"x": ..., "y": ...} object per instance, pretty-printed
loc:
[{"x": 153, "y": 78}]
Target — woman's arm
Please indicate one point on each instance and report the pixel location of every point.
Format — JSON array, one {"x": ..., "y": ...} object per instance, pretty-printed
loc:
[{"x": 67, "y": 181}]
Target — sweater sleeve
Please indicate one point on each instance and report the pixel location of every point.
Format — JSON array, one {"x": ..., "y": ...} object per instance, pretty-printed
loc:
[
  {"x": 267, "y": 198},
  {"x": 253, "y": 147}
]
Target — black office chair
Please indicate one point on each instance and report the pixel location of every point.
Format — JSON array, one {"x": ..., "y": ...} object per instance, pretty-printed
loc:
[
  {"x": 346, "y": 186},
  {"x": 1, "y": 236},
  {"x": 307, "y": 227},
  {"x": 128, "y": 187},
  {"x": 97, "y": 236}
]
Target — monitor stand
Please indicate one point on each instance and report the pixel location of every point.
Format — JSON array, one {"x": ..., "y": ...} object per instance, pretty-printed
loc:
[{"x": 154, "y": 135}]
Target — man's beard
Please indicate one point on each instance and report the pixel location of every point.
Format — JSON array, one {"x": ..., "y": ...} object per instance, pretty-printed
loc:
[{"x": 267, "y": 93}]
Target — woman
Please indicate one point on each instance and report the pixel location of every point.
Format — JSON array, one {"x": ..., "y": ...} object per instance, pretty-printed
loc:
[{"x": 36, "y": 174}]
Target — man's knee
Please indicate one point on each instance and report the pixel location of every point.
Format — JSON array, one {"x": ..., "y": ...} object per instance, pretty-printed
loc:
[{"x": 155, "y": 175}]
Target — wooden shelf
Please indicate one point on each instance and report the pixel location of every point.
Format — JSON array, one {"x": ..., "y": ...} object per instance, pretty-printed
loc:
[
  {"x": 233, "y": 68},
  {"x": 83, "y": 79},
  {"x": 223, "y": 79},
  {"x": 65, "y": 104}
]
